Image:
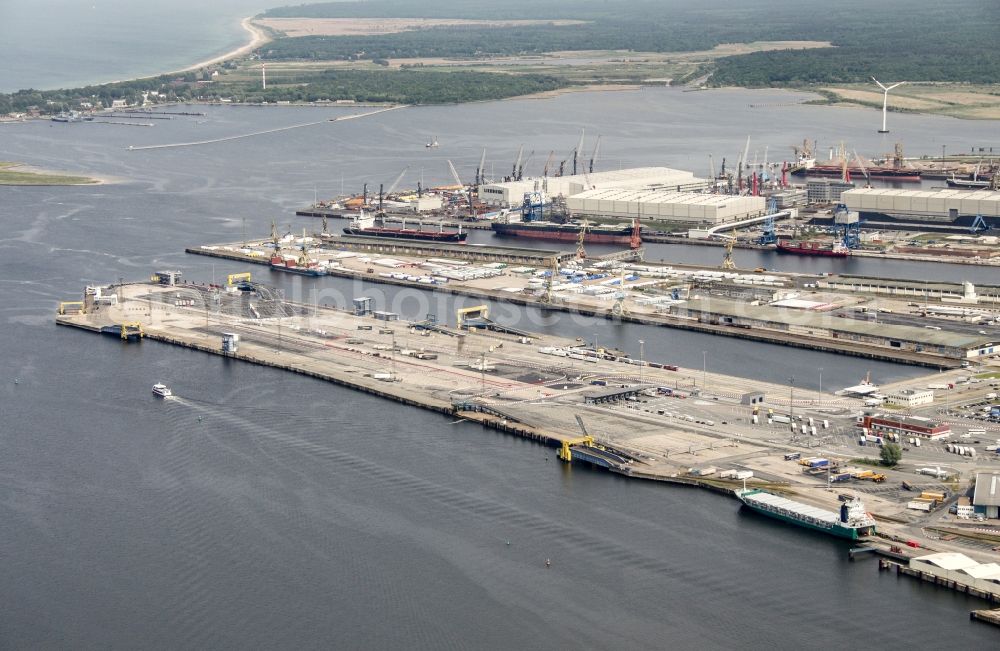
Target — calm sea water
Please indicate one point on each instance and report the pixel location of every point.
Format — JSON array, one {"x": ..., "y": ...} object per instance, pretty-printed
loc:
[
  {"x": 262, "y": 509},
  {"x": 68, "y": 43}
]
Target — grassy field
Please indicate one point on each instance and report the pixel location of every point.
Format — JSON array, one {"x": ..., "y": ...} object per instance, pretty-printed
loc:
[
  {"x": 10, "y": 175},
  {"x": 968, "y": 101},
  {"x": 610, "y": 67}
]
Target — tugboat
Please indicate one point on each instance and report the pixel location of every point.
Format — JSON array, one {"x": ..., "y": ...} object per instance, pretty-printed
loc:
[{"x": 162, "y": 390}]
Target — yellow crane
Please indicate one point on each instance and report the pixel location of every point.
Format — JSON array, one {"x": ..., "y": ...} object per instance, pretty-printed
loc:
[
  {"x": 581, "y": 253},
  {"x": 232, "y": 279},
  {"x": 565, "y": 453},
  {"x": 727, "y": 262}
]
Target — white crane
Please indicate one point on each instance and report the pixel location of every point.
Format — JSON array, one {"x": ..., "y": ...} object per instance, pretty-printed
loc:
[
  {"x": 395, "y": 184},
  {"x": 885, "y": 100},
  {"x": 578, "y": 152},
  {"x": 454, "y": 175}
]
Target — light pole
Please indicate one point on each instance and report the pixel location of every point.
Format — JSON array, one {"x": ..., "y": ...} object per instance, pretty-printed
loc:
[
  {"x": 641, "y": 362},
  {"x": 791, "y": 401},
  {"x": 820, "y": 394},
  {"x": 704, "y": 370}
]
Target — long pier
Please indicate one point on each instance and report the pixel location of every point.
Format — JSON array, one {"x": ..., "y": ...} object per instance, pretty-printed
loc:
[{"x": 840, "y": 346}]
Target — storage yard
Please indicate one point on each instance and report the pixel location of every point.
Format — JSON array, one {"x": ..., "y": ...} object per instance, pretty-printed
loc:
[{"x": 644, "y": 418}]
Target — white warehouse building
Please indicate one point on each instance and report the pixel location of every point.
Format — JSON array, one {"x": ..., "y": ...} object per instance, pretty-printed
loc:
[
  {"x": 510, "y": 194},
  {"x": 666, "y": 205},
  {"x": 958, "y": 207}
]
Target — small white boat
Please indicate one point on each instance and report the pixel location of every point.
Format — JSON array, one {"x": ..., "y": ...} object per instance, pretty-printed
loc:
[
  {"x": 162, "y": 390},
  {"x": 433, "y": 143}
]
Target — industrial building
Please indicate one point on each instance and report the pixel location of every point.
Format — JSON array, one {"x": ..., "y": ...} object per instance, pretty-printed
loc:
[
  {"x": 510, "y": 194},
  {"x": 960, "y": 569},
  {"x": 924, "y": 291},
  {"x": 826, "y": 190},
  {"x": 905, "y": 426},
  {"x": 909, "y": 397},
  {"x": 804, "y": 322},
  {"x": 935, "y": 207},
  {"x": 986, "y": 496},
  {"x": 664, "y": 205}
]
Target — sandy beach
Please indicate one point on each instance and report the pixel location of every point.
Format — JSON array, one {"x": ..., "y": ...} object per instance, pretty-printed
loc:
[{"x": 257, "y": 38}]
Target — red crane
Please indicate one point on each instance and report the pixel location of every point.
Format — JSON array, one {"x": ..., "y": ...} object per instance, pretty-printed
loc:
[{"x": 636, "y": 241}]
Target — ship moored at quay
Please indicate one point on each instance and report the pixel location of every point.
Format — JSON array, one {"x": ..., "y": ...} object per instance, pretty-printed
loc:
[{"x": 852, "y": 522}]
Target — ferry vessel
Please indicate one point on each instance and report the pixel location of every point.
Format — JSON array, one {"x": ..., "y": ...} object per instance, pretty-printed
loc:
[
  {"x": 162, "y": 390},
  {"x": 853, "y": 522}
]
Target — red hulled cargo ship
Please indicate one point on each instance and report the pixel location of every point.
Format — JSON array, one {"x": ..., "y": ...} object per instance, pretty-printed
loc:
[
  {"x": 569, "y": 232},
  {"x": 823, "y": 249}
]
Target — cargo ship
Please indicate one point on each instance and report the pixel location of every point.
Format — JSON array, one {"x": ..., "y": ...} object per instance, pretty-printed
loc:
[
  {"x": 366, "y": 226},
  {"x": 852, "y": 522},
  {"x": 279, "y": 263},
  {"x": 969, "y": 184},
  {"x": 823, "y": 249},
  {"x": 569, "y": 231},
  {"x": 875, "y": 172}
]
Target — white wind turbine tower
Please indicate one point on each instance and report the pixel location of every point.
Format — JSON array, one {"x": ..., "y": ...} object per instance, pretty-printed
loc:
[{"x": 885, "y": 100}]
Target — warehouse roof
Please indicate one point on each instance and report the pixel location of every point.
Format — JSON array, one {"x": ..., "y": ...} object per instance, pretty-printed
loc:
[
  {"x": 631, "y": 177},
  {"x": 906, "y": 284},
  {"x": 948, "y": 560},
  {"x": 987, "y": 492},
  {"x": 977, "y": 195},
  {"x": 826, "y": 321},
  {"x": 659, "y": 195}
]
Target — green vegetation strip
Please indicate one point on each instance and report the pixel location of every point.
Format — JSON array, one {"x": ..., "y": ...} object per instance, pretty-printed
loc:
[{"x": 10, "y": 176}]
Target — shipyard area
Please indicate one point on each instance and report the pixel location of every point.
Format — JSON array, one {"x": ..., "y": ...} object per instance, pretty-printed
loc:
[{"x": 905, "y": 470}]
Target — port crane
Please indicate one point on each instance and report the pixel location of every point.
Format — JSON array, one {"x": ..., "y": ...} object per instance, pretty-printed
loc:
[
  {"x": 593, "y": 156},
  {"x": 727, "y": 261},
  {"x": 517, "y": 163},
  {"x": 548, "y": 162},
  {"x": 581, "y": 252},
  {"x": 454, "y": 175},
  {"x": 520, "y": 168},
  {"x": 481, "y": 170},
  {"x": 769, "y": 232},
  {"x": 578, "y": 151},
  {"x": 395, "y": 184},
  {"x": 619, "y": 308},
  {"x": 565, "y": 453}
]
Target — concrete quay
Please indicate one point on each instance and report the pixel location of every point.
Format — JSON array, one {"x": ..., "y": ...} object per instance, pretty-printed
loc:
[
  {"x": 516, "y": 385},
  {"x": 655, "y": 294}
]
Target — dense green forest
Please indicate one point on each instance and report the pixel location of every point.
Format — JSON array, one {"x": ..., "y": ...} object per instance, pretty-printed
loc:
[
  {"x": 411, "y": 86},
  {"x": 895, "y": 39}
]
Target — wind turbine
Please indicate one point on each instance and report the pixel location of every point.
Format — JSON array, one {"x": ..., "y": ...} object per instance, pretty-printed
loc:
[{"x": 885, "y": 100}]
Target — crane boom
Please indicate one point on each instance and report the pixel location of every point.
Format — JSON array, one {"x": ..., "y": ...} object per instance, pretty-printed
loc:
[
  {"x": 593, "y": 156},
  {"x": 399, "y": 178},
  {"x": 454, "y": 174},
  {"x": 578, "y": 152},
  {"x": 517, "y": 161},
  {"x": 481, "y": 171},
  {"x": 545, "y": 170}
]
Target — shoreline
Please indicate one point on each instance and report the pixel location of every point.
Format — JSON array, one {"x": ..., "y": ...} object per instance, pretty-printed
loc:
[{"x": 258, "y": 37}]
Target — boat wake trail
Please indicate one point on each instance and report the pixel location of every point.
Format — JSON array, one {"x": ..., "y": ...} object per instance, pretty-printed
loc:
[
  {"x": 272, "y": 443},
  {"x": 261, "y": 133}
]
